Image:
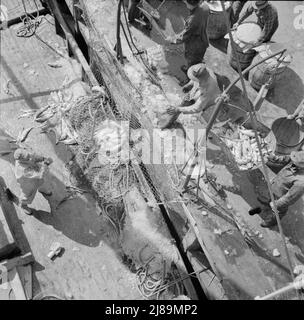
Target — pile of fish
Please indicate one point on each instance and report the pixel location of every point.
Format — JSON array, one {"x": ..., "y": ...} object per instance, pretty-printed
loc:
[
  {"x": 244, "y": 148},
  {"x": 54, "y": 117}
]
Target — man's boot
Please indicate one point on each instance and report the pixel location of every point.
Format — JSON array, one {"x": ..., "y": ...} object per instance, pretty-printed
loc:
[{"x": 269, "y": 222}]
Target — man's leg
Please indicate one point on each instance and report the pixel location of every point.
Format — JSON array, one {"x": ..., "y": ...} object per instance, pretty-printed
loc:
[{"x": 24, "y": 201}]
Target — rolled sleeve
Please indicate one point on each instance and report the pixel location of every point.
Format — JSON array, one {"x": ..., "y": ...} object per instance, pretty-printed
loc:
[{"x": 292, "y": 196}]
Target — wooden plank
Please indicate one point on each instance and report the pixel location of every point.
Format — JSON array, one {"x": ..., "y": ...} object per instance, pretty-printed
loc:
[
  {"x": 18, "y": 261},
  {"x": 211, "y": 285},
  {"x": 25, "y": 273},
  {"x": 16, "y": 284},
  {"x": 7, "y": 242}
]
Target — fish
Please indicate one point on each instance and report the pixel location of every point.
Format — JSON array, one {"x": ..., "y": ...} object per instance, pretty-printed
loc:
[{"x": 22, "y": 136}]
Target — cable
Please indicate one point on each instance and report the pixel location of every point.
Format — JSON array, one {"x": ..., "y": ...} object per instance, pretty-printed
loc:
[
  {"x": 30, "y": 23},
  {"x": 264, "y": 168}
]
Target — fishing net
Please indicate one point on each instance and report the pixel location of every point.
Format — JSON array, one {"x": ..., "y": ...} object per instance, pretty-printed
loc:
[{"x": 108, "y": 176}]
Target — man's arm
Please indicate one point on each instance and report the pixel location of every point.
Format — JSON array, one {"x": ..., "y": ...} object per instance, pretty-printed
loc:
[
  {"x": 283, "y": 160},
  {"x": 292, "y": 196},
  {"x": 269, "y": 22},
  {"x": 248, "y": 12},
  {"x": 188, "y": 87},
  {"x": 200, "y": 105}
]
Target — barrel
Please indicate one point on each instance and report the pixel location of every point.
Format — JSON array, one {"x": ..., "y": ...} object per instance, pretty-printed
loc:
[
  {"x": 288, "y": 134},
  {"x": 217, "y": 24},
  {"x": 245, "y": 34},
  {"x": 271, "y": 69}
]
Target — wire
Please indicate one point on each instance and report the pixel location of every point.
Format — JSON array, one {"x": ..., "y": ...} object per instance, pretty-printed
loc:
[{"x": 30, "y": 23}]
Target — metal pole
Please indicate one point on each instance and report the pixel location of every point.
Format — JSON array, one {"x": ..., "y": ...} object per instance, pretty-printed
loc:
[{"x": 118, "y": 39}]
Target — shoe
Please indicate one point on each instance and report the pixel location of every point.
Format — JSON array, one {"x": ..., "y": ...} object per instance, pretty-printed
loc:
[
  {"x": 271, "y": 222},
  {"x": 255, "y": 211}
]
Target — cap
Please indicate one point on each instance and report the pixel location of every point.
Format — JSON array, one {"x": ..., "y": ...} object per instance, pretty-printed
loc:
[{"x": 197, "y": 72}]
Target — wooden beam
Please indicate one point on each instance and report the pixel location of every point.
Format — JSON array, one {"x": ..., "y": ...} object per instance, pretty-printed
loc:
[
  {"x": 73, "y": 44},
  {"x": 18, "y": 261}
]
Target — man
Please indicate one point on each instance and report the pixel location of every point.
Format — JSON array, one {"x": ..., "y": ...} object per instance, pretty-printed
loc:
[
  {"x": 133, "y": 11},
  {"x": 202, "y": 92},
  {"x": 237, "y": 7},
  {"x": 267, "y": 16},
  {"x": 287, "y": 186},
  {"x": 30, "y": 171},
  {"x": 194, "y": 36}
]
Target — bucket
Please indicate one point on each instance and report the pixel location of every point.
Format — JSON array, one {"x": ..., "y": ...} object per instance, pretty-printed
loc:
[
  {"x": 289, "y": 136},
  {"x": 261, "y": 74},
  {"x": 217, "y": 24},
  {"x": 245, "y": 34}
]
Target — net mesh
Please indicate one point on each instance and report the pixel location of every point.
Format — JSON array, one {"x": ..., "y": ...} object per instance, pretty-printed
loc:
[{"x": 125, "y": 103}]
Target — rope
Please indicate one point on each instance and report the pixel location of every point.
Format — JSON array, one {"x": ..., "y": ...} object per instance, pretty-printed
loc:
[
  {"x": 30, "y": 23},
  {"x": 264, "y": 168}
]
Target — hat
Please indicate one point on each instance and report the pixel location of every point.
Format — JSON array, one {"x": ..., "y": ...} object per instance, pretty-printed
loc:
[
  {"x": 297, "y": 157},
  {"x": 197, "y": 72},
  {"x": 193, "y": 2},
  {"x": 260, "y": 4}
]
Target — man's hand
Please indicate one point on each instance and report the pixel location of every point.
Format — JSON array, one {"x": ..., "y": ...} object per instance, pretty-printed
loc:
[
  {"x": 172, "y": 110},
  {"x": 235, "y": 26}
]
